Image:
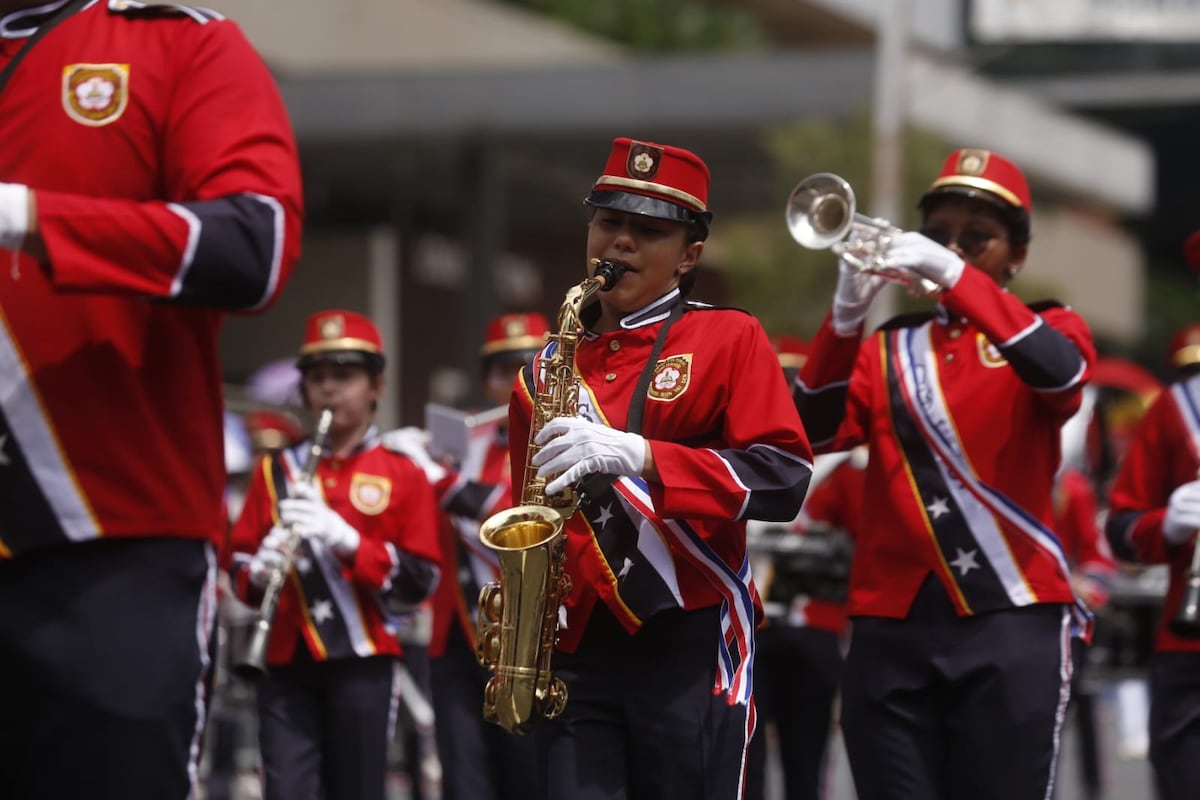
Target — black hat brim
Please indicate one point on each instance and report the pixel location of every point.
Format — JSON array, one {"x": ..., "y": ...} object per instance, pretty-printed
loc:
[
  {"x": 646, "y": 206},
  {"x": 372, "y": 362},
  {"x": 971, "y": 192}
]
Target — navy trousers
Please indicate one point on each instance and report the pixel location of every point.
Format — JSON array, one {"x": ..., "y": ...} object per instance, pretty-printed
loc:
[
  {"x": 1175, "y": 724},
  {"x": 938, "y": 707},
  {"x": 641, "y": 721},
  {"x": 105, "y": 656},
  {"x": 480, "y": 760},
  {"x": 324, "y": 728},
  {"x": 796, "y": 674}
]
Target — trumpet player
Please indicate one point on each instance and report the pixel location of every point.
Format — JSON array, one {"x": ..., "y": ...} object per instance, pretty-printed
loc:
[
  {"x": 685, "y": 429},
  {"x": 1154, "y": 516},
  {"x": 368, "y": 549},
  {"x": 959, "y": 663}
]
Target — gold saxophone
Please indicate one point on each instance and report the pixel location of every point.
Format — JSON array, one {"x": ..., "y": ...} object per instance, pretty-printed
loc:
[{"x": 518, "y": 616}]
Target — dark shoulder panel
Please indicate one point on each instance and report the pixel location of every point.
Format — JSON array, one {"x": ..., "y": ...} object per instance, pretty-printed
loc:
[{"x": 133, "y": 9}]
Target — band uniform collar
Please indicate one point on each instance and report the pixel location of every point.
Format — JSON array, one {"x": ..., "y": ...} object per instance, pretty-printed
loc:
[
  {"x": 24, "y": 22},
  {"x": 656, "y": 311}
]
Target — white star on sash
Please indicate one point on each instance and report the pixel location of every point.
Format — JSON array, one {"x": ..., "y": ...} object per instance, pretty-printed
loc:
[
  {"x": 628, "y": 565},
  {"x": 938, "y": 508},
  {"x": 605, "y": 515},
  {"x": 965, "y": 561},
  {"x": 4, "y": 462},
  {"x": 321, "y": 611}
]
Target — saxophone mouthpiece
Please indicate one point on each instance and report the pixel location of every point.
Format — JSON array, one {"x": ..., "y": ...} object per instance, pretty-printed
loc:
[{"x": 607, "y": 272}]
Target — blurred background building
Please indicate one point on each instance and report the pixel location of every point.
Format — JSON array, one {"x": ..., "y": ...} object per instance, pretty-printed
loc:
[{"x": 447, "y": 145}]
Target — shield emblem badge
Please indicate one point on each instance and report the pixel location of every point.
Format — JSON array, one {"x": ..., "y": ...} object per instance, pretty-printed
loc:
[
  {"x": 95, "y": 94},
  {"x": 671, "y": 378},
  {"x": 989, "y": 355},
  {"x": 370, "y": 493}
]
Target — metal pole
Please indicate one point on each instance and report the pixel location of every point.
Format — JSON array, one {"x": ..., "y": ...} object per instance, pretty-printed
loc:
[{"x": 887, "y": 130}]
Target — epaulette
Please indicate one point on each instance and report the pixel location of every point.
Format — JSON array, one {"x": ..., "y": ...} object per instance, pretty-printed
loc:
[
  {"x": 696, "y": 305},
  {"x": 136, "y": 9},
  {"x": 1044, "y": 305},
  {"x": 910, "y": 320}
]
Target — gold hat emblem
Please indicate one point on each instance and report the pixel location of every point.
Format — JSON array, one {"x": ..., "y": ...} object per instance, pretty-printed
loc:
[
  {"x": 643, "y": 161},
  {"x": 332, "y": 327},
  {"x": 514, "y": 327},
  {"x": 95, "y": 94},
  {"x": 972, "y": 162}
]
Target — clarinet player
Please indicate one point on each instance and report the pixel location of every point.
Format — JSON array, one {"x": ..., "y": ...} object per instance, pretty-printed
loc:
[{"x": 368, "y": 547}]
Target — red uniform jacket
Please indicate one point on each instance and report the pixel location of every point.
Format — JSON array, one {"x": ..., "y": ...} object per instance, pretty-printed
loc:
[
  {"x": 168, "y": 190},
  {"x": 341, "y": 607},
  {"x": 466, "y": 564},
  {"x": 962, "y": 415},
  {"x": 1164, "y": 455},
  {"x": 1087, "y": 551},
  {"x": 728, "y": 446}
]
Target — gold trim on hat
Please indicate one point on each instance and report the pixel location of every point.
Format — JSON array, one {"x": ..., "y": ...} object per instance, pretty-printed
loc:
[
  {"x": 657, "y": 188},
  {"x": 978, "y": 183},
  {"x": 1188, "y": 354},
  {"x": 345, "y": 343},
  {"x": 792, "y": 360},
  {"x": 526, "y": 342}
]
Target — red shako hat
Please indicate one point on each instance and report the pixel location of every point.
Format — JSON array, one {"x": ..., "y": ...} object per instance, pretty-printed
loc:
[
  {"x": 983, "y": 174},
  {"x": 657, "y": 180},
  {"x": 343, "y": 337},
  {"x": 515, "y": 333}
]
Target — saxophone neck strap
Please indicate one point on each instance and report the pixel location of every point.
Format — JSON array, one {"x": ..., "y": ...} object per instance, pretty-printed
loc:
[{"x": 637, "y": 405}]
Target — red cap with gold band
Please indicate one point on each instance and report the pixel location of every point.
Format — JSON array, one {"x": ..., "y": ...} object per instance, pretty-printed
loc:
[
  {"x": 792, "y": 350},
  {"x": 656, "y": 180},
  {"x": 1191, "y": 252},
  {"x": 273, "y": 430},
  {"x": 342, "y": 337},
  {"x": 514, "y": 333},
  {"x": 982, "y": 174},
  {"x": 1184, "y": 348}
]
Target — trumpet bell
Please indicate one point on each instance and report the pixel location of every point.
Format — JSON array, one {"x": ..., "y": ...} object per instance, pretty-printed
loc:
[{"x": 820, "y": 211}]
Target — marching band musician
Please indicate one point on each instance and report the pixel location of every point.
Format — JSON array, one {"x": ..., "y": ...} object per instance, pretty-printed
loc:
[
  {"x": 955, "y": 562},
  {"x": 480, "y": 761},
  {"x": 684, "y": 411},
  {"x": 368, "y": 528},
  {"x": 798, "y": 659},
  {"x": 1153, "y": 518},
  {"x": 149, "y": 185}
]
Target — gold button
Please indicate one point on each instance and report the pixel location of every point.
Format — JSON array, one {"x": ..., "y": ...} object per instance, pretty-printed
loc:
[
  {"x": 612, "y": 376},
  {"x": 614, "y": 345},
  {"x": 955, "y": 333},
  {"x": 949, "y": 356},
  {"x": 330, "y": 483}
]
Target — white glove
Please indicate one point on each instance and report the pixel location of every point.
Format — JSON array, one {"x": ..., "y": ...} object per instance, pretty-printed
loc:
[
  {"x": 577, "y": 447},
  {"x": 1183, "y": 513},
  {"x": 14, "y": 215},
  {"x": 312, "y": 519},
  {"x": 269, "y": 557},
  {"x": 414, "y": 443},
  {"x": 855, "y": 291},
  {"x": 912, "y": 252}
]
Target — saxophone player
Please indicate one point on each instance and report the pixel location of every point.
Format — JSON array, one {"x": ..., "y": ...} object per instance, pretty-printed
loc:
[
  {"x": 1153, "y": 518},
  {"x": 369, "y": 548},
  {"x": 685, "y": 429}
]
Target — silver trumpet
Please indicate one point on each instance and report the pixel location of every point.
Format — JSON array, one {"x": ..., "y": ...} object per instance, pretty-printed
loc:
[
  {"x": 253, "y": 663},
  {"x": 820, "y": 214}
]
